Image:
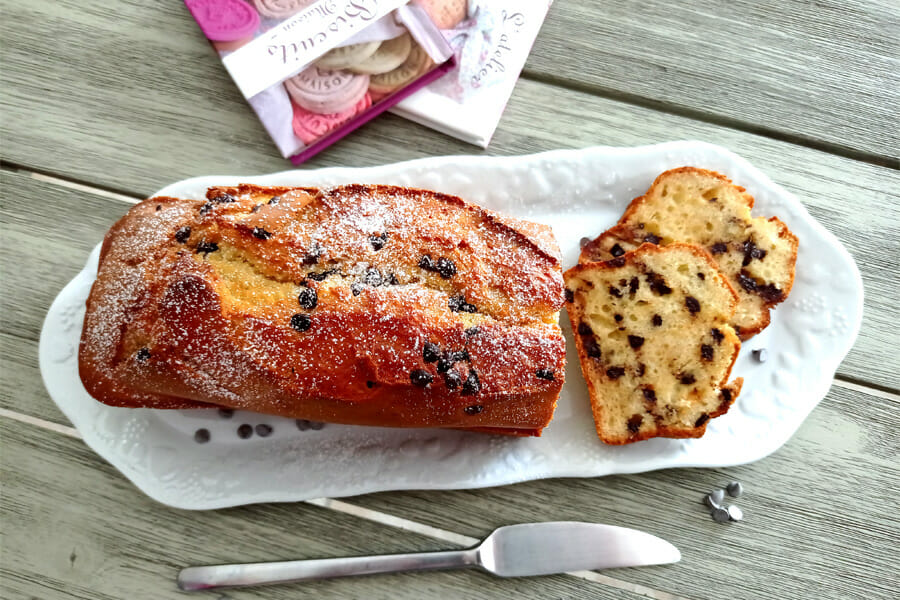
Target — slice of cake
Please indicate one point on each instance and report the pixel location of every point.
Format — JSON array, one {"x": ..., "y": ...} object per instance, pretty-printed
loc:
[
  {"x": 696, "y": 206},
  {"x": 653, "y": 333}
]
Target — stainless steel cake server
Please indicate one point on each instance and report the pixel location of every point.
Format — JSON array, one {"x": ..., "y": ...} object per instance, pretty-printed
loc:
[{"x": 511, "y": 551}]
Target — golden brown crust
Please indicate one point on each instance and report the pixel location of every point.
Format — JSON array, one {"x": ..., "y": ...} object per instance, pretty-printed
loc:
[{"x": 205, "y": 317}]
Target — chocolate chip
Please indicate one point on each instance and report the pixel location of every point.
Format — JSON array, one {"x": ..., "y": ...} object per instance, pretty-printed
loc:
[
  {"x": 653, "y": 239},
  {"x": 585, "y": 329},
  {"x": 263, "y": 430},
  {"x": 634, "y": 423},
  {"x": 658, "y": 284},
  {"x": 618, "y": 318},
  {"x": 430, "y": 352},
  {"x": 158, "y": 207},
  {"x": 226, "y": 413},
  {"x": 770, "y": 293},
  {"x": 633, "y": 285},
  {"x": 256, "y": 208},
  {"x": 245, "y": 431},
  {"x": 392, "y": 279},
  {"x": 719, "y": 248},
  {"x": 206, "y": 208},
  {"x": 312, "y": 257},
  {"x": 649, "y": 395},
  {"x": 544, "y": 374},
  {"x": 472, "y": 385},
  {"x": 445, "y": 267},
  {"x": 701, "y": 420},
  {"x": 474, "y": 409},
  {"x": 635, "y": 341},
  {"x": 701, "y": 276},
  {"x": 726, "y": 395},
  {"x": 370, "y": 384},
  {"x": 687, "y": 378},
  {"x": 570, "y": 295},
  {"x": 426, "y": 263},
  {"x": 452, "y": 379},
  {"x": 460, "y": 355},
  {"x": 717, "y": 335},
  {"x": 616, "y": 262},
  {"x": 356, "y": 288},
  {"x": 274, "y": 200},
  {"x": 692, "y": 304},
  {"x": 308, "y": 298},
  {"x": 657, "y": 320},
  {"x": 206, "y": 247},
  {"x": 751, "y": 251},
  {"x": 373, "y": 277},
  {"x": 747, "y": 282},
  {"x": 591, "y": 348},
  {"x": 444, "y": 363},
  {"x": 261, "y": 234},
  {"x": 201, "y": 436},
  {"x": 223, "y": 199},
  {"x": 182, "y": 235},
  {"x": 761, "y": 355},
  {"x": 615, "y": 292},
  {"x": 623, "y": 282},
  {"x": 378, "y": 241},
  {"x": 459, "y": 304},
  {"x": 617, "y": 250},
  {"x": 142, "y": 355},
  {"x": 316, "y": 425},
  {"x": 301, "y": 322},
  {"x": 321, "y": 275},
  {"x": 641, "y": 369},
  {"x": 302, "y": 424},
  {"x": 706, "y": 352},
  {"x": 421, "y": 377},
  {"x": 615, "y": 372},
  {"x": 473, "y": 331}
]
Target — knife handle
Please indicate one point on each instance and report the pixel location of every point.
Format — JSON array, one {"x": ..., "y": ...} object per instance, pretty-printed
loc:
[{"x": 240, "y": 575}]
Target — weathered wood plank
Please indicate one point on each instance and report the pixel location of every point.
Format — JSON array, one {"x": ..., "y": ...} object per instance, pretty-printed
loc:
[
  {"x": 825, "y": 73},
  {"x": 72, "y": 222},
  {"x": 818, "y": 512},
  {"x": 74, "y": 528}
]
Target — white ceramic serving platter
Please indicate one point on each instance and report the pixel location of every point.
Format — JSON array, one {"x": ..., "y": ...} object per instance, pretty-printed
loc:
[{"x": 578, "y": 192}]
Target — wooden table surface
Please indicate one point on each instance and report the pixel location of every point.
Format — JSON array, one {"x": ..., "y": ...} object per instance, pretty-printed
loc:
[{"x": 106, "y": 102}]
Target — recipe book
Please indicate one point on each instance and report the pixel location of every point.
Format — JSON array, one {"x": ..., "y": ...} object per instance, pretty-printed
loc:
[{"x": 491, "y": 40}]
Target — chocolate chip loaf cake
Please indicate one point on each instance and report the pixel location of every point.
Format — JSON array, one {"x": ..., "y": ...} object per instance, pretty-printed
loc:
[
  {"x": 359, "y": 304},
  {"x": 705, "y": 208},
  {"x": 654, "y": 340}
]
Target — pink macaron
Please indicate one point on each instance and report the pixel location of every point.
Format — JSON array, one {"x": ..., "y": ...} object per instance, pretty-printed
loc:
[{"x": 224, "y": 20}]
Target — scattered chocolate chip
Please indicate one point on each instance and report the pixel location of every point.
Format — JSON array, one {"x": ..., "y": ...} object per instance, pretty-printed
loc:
[
  {"x": 472, "y": 385},
  {"x": 623, "y": 282},
  {"x": 618, "y": 318},
  {"x": 158, "y": 207},
  {"x": 142, "y": 355},
  {"x": 544, "y": 374},
  {"x": 316, "y": 425},
  {"x": 256, "y": 208},
  {"x": 452, "y": 379},
  {"x": 658, "y": 284},
  {"x": 751, "y": 251},
  {"x": 312, "y": 257},
  {"x": 713, "y": 199},
  {"x": 356, "y": 288},
  {"x": 692, "y": 304},
  {"x": 182, "y": 235},
  {"x": 373, "y": 277},
  {"x": 633, "y": 285},
  {"x": 430, "y": 352},
  {"x": 701, "y": 420},
  {"x": 615, "y": 292},
  {"x": 472, "y": 331},
  {"x": 460, "y": 355},
  {"x": 201, "y": 436},
  {"x": 570, "y": 295},
  {"x": 261, "y": 234},
  {"x": 706, "y": 352},
  {"x": 459, "y": 304},
  {"x": 617, "y": 250},
  {"x": 641, "y": 369},
  {"x": 770, "y": 293},
  {"x": 223, "y": 199},
  {"x": 370, "y": 384},
  {"x": 321, "y": 275},
  {"x": 263, "y": 430},
  {"x": 392, "y": 279},
  {"x": 657, "y": 320},
  {"x": 444, "y": 363},
  {"x": 474, "y": 409},
  {"x": 226, "y": 413},
  {"x": 726, "y": 395},
  {"x": 761, "y": 355},
  {"x": 245, "y": 431},
  {"x": 591, "y": 348},
  {"x": 635, "y": 341},
  {"x": 719, "y": 248},
  {"x": 687, "y": 378},
  {"x": 701, "y": 276},
  {"x": 301, "y": 322},
  {"x": 445, "y": 267},
  {"x": 747, "y": 282},
  {"x": 426, "y": 263},
  {"x": 634, "y": 423},
  {"x": 616, "y": 262},
  {"x": 308, "y": 298},
  {"x": 585, "y": 329},
  {"x": 421, "y": 377},
  {"x": 653, "y": 239},
  {"x": 206, "y": 208},
  {"x": 274, "y": 200},
  {"x": 615, "y": 372},
  {"x": 206, "y": 247},
  {"x": 717, "y": 335},
  {"x": 649, "y": 395},
  {"x": 302, "y": 424},
  {"x": 378, "y": 241}
]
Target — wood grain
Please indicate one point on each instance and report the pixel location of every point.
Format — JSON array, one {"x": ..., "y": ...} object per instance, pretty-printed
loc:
[
  {"x": 74, "y": 528},
  {"x": 822, "y": 73}
]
